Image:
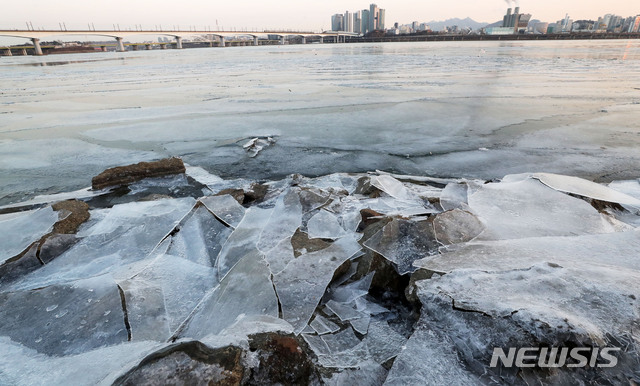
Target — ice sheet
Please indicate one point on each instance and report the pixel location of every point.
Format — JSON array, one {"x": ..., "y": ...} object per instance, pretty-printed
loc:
[
  {"x": 582, "y": 187},
  {"x": 301, "y": 285},
  {"x": 324, "y": 225},
  {"x": 402, "y": 242},
  {"x": 18, "y": 232},
  {"x": 65, "y": 319},
  {"x": 528, "y": 208},
  {"x": 125, "y": 234},
  {"x": 246, "y": 290},
  {"x": 226, "y": 208}
]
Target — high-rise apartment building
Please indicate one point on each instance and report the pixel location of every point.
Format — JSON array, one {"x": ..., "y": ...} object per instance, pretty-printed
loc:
[
  {"x": 348, "y": 21},
  {"x": 337, "y": 22},
  {"x": 365, "y": 27}
]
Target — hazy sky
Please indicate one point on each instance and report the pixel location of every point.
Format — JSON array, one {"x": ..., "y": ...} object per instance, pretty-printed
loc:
[{"x": 281, "y": 14}]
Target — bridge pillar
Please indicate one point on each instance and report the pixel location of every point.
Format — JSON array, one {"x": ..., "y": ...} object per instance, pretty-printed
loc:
[
  {"x": 24, "y": 52},
  {"x": 147, "y": 47},
  {"x": 304, "y": 40},
  {"x": 36, "y": 47},
  {"x": 222, "y": 42},
  {"x": 7, "y": 52},
  {"x": 103, "y": 48},
  {"x": 135, "y": 47},
  {"x": 120, "y": 47},
  {"x": 255, "y": 41},
  {"x": 282, "y": 40},
  {"x": 163, "y": 46},
  {"x": 321, "y": 39},
  {"x": 179, "y": 42}
]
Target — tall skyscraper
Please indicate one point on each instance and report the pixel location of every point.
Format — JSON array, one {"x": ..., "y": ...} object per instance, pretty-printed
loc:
[
  {"x": 381, "y": 13},
  {"x": 366, "y": 22},
  {"x": 357, "y": 22},
  {"x": 337, "y": 22},
  {"x": 348, "y": 21},
  {"x": 373, "y": 17}
]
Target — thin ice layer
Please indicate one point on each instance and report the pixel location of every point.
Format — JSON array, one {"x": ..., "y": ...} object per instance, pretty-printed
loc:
[
  {"x": 391, "y": 186},
  {"x": 126, "y": 233},
  {"x": 19, "y": 231},
  {"x": 612, "y": 249},
  {"x": 586, "y": 188},
  {"x": 302, "y": 283},
  {"x": 168, "y": 291},
  {"x": 428, "y": 359},
  {"x": 528, "y": 208},
  {"x": 20, "y": 365},
  {"x": 592, "y": 302},
  {"x": 286, "y": 218},
  {"x": 324, "y": 225},
  {"x": 454, "y": 196},
  {"x": 226, "y": 208},
  {"x": 402, "y": 242},
  {"x": 322, "y": 325},
  {"x": 245, "y": 291},
  {"x": 65, "y": 319},
  {"x": 200, "y": 238},
  {"x": 243, "y": 240}
]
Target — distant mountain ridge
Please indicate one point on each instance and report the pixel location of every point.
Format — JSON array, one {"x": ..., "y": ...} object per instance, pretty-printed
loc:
[{"x": 461, "y": 23}]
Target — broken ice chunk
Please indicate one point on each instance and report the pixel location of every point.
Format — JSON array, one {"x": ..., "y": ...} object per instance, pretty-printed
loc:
[
  {"x": 225, "y": 208},
  {"x": 170, "y": 284},
  {"x": 200, "y": 238},
  {"x": 403, "y": 241},
  {"x": 279, "y": 256},
  {"x": 324, "y": 225},
  {"x": 628, "y": 187},
  {"x": 341, "y": 341},
  {"x": 146, "y": 312},
  {"x": 454, "y": 196},
  {"x": 301, "y": 285},
  {"x": 20, "y": 365},
  {"x": 426, "y": 359},
  {"x": 343, "y": 311},
  {"x": 361, "y": 324},
  {"x": 65, "y": 319},
  {"x": 350, "y": 292},
  {"x": 528, "y": 208},
  {"x": 322, "y": 325},
  {"x": 383, "y": 341},
  {"x": 20, "y": 230},
  {"x": 586, "y": 188},
  {"x": 618, "y": 249},
  {"x": 365, "y": 306},
  {"x": 316, "y": 344},
  {"x": 124, "y": 234},
  {"x": 246, "y": 290},
  {"x": 286, "y": 218},
  {"x": 391, "y": 186},
  {"x": 255, "y": 145},
  {"x": 243, "y": 239}
]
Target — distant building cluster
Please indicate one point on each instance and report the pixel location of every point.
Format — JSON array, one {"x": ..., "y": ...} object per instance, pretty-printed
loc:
[
  {"x": 362, "y": 22},
  {"x": 517, "y": 23}
]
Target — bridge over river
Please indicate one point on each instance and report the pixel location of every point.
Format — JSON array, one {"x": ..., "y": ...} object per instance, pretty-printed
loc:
[{"x": 220, "y": 36}]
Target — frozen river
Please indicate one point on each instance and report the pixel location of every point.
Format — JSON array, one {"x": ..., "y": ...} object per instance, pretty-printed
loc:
[{"x": 464, "y": 109}]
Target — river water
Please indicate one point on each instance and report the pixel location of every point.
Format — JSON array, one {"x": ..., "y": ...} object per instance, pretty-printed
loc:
[{"x": 447, "y": 109}]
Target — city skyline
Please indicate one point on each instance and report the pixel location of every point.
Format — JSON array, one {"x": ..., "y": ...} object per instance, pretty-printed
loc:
[{"x": 283, "y": 14}]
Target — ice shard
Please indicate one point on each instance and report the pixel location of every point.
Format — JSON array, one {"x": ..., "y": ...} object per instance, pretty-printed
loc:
[
  {"x": 285, "y": 219},
  {"x": 200, "y": 238},
  {"x": 585, "y": 188},
  {"x": 246, "y": 290},
  {"x": 528, "y": 208},
  {"x": 65, "y": 319},
  {"x": 301, "y": 285},
  {"x": 225, "y": 208},
  {"x": 20, "y": 230},
  {"x": 402, "y": 242},
  {"x": 123, "y": 234},
  {"x": 324, "y": 225}
]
